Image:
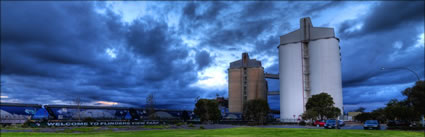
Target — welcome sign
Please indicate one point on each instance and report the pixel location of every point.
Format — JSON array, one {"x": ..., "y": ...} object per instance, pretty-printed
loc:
[{"x": 97, "y": 123}]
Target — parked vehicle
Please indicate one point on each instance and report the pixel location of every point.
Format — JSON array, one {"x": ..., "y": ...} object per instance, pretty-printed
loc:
[
  {"x": 400, "y": 123},
  {"x": 319, "y": 123},
  {"x": 371, "y": 124},
  {"x": 341, "y": 123},
  {"x": 332, "y": 124}
]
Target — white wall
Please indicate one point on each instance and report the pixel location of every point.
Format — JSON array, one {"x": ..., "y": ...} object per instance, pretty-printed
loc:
[
  {"x": 291, "y": 86},
  {"x": 325, "y": 69}
]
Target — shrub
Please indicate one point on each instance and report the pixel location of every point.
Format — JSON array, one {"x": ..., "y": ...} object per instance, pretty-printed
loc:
[
  {"x": 191, "y": 125},
  {"x": 201, "y": 127},
  {"x": 405, "y": 128},
  {"x": 26, "y": 124},
  {"x": 179, "y": 124}
]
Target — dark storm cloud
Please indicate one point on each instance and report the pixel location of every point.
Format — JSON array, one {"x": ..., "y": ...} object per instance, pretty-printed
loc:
[
  {"x": 213, "y": 11},
  {"x": 193, "y": 19},
  {"x": 190, "y": 10},
  {"x": 388, "y": 16},
  {"x": 372, "y": 49},
  {"x": 317, "y": 8},
  {"x": 344, "y": 27},
  {"x": 247, "y": 32},
  {"x": 362, "y": 64},
  {"x": 368, "y": 95},
  {"x": 257, "y": 9},
  {"x": 267, "y": 47},
  {"x": 249, "y": 24},
  {"x": 56, "y": 51},
  {"x": 32, "y": 37},
  {"x": 228, "y": 26},
  {"x": 203, "y": 59},
  {"x": 165, "y": 54},
  {"x": 143, "y": 42}
]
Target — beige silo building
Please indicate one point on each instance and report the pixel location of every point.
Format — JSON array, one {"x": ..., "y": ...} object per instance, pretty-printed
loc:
[{"x": 246, "y": 82}]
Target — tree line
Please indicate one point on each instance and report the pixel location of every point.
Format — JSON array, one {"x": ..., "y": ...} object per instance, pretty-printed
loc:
[
  {"x": 410, "y": 109},
  {"x": 255, "y": 111}
]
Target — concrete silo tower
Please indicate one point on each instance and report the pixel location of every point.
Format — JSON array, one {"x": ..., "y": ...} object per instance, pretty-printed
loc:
[{"x": 309, "y": 63}]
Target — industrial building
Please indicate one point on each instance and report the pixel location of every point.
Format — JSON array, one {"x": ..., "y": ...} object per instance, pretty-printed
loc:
[
  {"x": 309, "y": 64},
  {"x": 246, "y": 82}
]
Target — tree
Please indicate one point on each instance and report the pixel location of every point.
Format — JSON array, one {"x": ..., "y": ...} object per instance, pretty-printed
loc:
[
  {"x": 207, "y": 110},
  {"x": 150, "y": 106},
  {"x": 363, "y": 117},
  {"x": 256, "y": 110},
  {"x": 332, "y": 112},
  {"x": 416, "y": 96},
  {"x": 185, "y": 116},
  {"x": 323, "y": 106},
  {"x": 400, "y": 110},
  {"x": 310, "y": 114},
  {"x": 407, "y": 110},
  {"x": 379, "y": 114}
]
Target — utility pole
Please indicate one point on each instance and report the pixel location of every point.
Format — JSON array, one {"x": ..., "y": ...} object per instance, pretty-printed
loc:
[{"x": 78, "y": 103}]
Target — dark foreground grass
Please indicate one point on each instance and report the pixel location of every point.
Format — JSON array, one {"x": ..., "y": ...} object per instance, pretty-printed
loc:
[{"x": 229, "y": 132}]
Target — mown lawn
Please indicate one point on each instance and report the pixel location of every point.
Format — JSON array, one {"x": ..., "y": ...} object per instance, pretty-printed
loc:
[{"x": 229, "y": 132}]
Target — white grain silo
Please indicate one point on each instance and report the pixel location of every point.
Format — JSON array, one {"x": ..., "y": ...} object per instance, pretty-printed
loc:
[{"x": 309, "y": 63}]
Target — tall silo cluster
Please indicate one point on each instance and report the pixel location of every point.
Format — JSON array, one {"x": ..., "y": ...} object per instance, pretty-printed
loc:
[{"x": 309, "y": 64}]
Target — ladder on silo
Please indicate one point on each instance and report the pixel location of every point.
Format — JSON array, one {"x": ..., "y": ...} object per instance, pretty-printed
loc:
[
  {"x": 306, "y": 73},
  {"x": 306, "y": 25}
]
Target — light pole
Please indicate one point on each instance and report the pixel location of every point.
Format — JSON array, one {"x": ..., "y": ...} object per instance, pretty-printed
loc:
[
  {"x": 404, "y": 68},
  {"x": 417, "y": 76}
]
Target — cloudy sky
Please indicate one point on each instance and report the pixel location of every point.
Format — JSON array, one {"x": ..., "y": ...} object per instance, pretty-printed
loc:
[{"x": 120, "y": 52}]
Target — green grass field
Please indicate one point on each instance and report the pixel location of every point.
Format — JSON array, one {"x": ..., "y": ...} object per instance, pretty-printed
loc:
[{"x": 229, "y": 132}]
